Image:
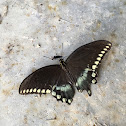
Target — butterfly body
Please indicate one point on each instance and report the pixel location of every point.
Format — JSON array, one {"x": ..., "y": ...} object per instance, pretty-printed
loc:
[{"x": 78, "y": 71}]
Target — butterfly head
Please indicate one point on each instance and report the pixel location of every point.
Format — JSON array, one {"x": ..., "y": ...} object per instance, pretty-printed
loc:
[
  {"x": 61, "y": 60},
  {"x": 57, "y": 57}
]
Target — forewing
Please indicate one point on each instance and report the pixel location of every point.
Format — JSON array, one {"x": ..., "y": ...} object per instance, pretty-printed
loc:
[
  {"x": 50, "y": 79},
  {"x": 83, "y": 63}
]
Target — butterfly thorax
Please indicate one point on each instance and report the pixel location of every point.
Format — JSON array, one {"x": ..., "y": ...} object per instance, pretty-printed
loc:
[
  {"x": 61, "y": 61},
  {"x": 62, "y": 64}
]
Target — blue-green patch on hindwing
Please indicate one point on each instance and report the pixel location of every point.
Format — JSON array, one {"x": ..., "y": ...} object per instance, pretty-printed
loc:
[
  {"x": 84, "y": 81},
  {"x": 64, "y": 93}
]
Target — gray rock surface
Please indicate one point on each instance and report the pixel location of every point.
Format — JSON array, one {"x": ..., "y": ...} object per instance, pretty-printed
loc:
[{"x": 31, "y": 29}]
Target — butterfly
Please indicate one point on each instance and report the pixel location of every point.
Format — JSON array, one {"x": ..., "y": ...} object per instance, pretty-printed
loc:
[{"x": 78, "y": 71}]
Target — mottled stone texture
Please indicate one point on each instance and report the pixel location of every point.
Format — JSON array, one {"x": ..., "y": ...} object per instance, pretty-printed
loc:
[{"x": 31, "y": 29}]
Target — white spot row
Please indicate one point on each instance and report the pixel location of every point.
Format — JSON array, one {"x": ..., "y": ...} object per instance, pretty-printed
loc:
[
  {"x": 59, "y": 97},
  {"x": 100, "y": 55},
  {"x": 93, "y": 74},
  {"x": 94, "y": 81},
  {"x": 35, "y": 90},
  {"x": 96, "y": 63},
  {"x": 89, "y": 92}
]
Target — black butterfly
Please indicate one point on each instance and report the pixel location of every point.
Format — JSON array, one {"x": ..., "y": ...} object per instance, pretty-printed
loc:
[{"x": 79, "y": 70}]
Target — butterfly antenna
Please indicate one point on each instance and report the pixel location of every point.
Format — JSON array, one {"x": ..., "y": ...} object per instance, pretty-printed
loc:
[
  {"x": 68, "y": 21},
  {"x": 47, "y": 57},
  {"x": 62, "y": 50},
  {"x": 52, "y": 118},
  {"x": 64, "y": 20}
]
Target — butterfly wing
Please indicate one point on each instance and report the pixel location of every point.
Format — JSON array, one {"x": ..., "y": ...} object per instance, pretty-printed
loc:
[
  {"x": 50, "y": 79},
  {"x": 83, "y": 63}
]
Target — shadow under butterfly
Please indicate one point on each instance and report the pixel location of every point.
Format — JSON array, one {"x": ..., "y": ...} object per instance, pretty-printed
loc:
[{"x": 79, "y": 70}]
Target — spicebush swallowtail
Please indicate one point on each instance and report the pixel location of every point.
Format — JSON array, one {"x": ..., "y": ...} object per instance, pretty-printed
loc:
[{"x": 78, "y": 71}]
